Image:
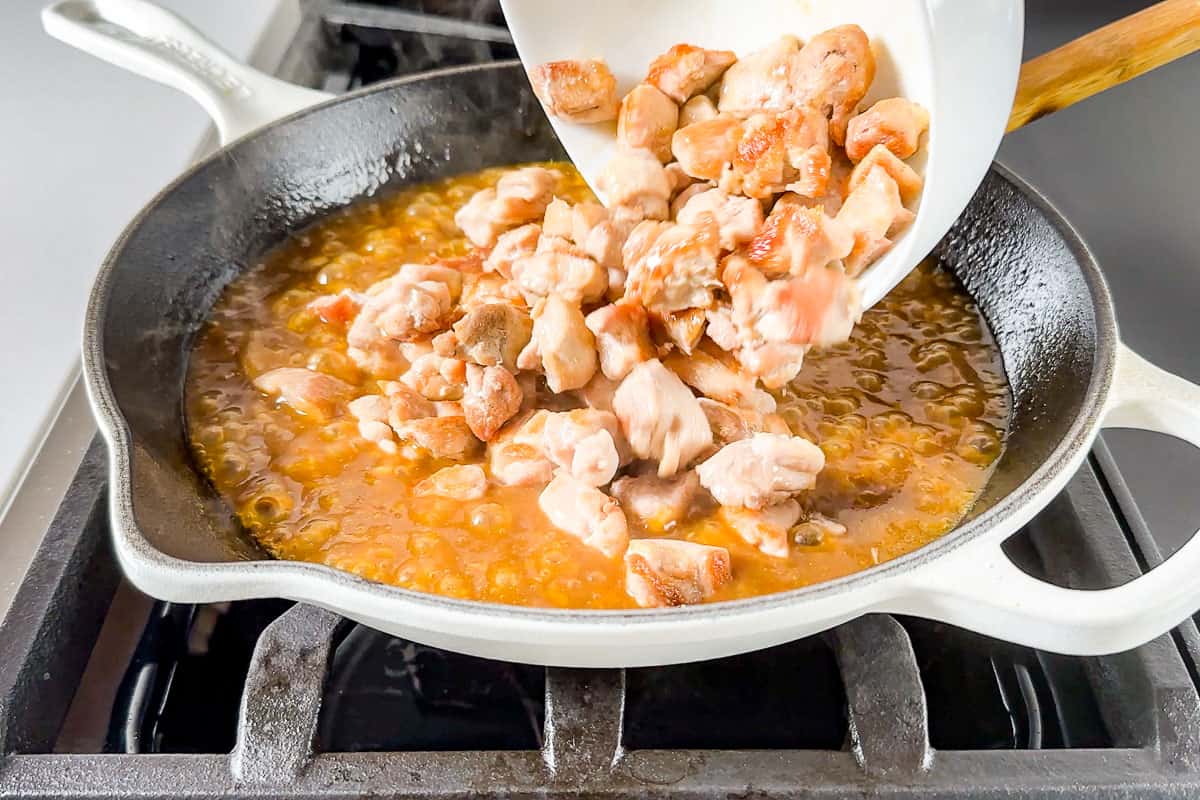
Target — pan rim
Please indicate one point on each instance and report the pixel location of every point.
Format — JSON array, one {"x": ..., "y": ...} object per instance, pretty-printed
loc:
[{"x": 137, "y": 553}]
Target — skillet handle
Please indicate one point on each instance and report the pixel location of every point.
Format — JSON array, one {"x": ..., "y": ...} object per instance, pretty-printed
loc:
[
  {"x": 152, "y": 42},
  {"x": 979, "y": 588}
]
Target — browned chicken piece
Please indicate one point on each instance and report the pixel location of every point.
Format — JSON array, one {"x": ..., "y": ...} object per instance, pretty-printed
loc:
[
  {"x": 806, "y": 138},
  {"x": 579, "y": 91},
  {"x": 586, "y": 513},
  {"x": 461, "y": 482},
  {"x": 622, "y": 338},
  {"x": 683, "y": 329},
  {"x": 640, "y": 239},
  {"x": 494, "y": 334},
  {"x": 405, "y": 403},
  {"x": 635, "y": 178},
  {"x": 443, "y": 437},
  {"x": 340, "y": 308},
  {"x": 704, "y": 149},
  {"x": 762, "y": 81},
  {"x": 713, "y": 378},
  {"x": 678, "y": 270},
  {"x": 308, "y": 393},
  {"x": 574, "y": 277},
  {"x": 815, "y": 528},
  {"x": 436, "y": 377},
  {"x": 562, "y": 345},
  {"x": 760, "y": 166},
  {"x": 738, "y": 218},
  {"x": 669, "y": 572},
  {"x": 766, "y": 529},
  {"x": 895, "y": 123},
  {"x": 909, "y": 182},
  {"x": 419, "y": 273},
  {"x": 371, "y": 411},
  {"x": 512, "y": 245},
  {"x": 492, "y": 398},
  {"x": 686, "y": 70},
  {"x": 648, "y": 118},
  {"x": 657, "y": 503},
  {"x": 519, "y": 197},
  {"x": 874, "y": 213},
  {"x": 728, "y": 424},
  {"x": 832, "y": 73},
  {"x": 699, "y": 109},
  {"x": 584, "y": 442},
  {"x": 796, "y": 239},
  {"x": 660, "y": 417},
  {"x": 818, "y": 308},
  {"x": 761, "y": 471}
]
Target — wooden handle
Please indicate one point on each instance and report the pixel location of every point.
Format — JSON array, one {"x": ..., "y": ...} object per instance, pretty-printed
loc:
[{"x": 1106, "y": 57}]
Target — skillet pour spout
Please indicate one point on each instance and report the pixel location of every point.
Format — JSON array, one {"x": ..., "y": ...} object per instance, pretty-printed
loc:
[{"x": 1033, "y": 279}]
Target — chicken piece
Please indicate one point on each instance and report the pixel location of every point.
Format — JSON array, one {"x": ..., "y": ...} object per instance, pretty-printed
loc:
[
  {"x": 584, "y": 217},
  {"x": 683, "y": 329},
  {"x": 448, "y": 408},
  {"x": 635, "y": 178},
  {"x": 680, "y": 180},
  {"x": 519, "y": 197},
  {"x": 817, "y": 308},
  {"x": 873, "y": 213},
  {"x": 704, "y": 149},
  {"x": 446, "y": 344},
  {"x": 402, "y": 309},
  {"x": 686, "y": 70},
  {"x": 308, "y": 393},
  {"x": 766, "y": 529},
  {"x": 908, "y": 181},
  {"x": 776, "y": 364},
  {"x": 660, "y": 417},
  {"x": 806, "y": 140},
  {"x": 586, "y": 513},
  {"x": 404, "y": 403},
  {"x": 598, "y": 393},
  {"x": 761, "y": 471},
  {"x": 436, "y": 377},
  {"x": 648, "y": 119},
  {"x": 728, "y": 424},
  {"x": 511, "y": 246},
  {"x": 895, "y": 123},
  {"x": 494, "y": 334},
  {"x": 480, "y": 290},
  {"x": 796, "y": 239},
  {"x": 575, "y": 278},
  {"x": 443, "y": 437},
  {"x": 699, "y": 109},
  {"x": 579, "y": 91},
  {"x": 657, "y": 503},
  {"x": 832, "y": 74},
  {"x": 678, "y": 270},
  {"x": 738, "y": 218},
  {"x": 461, "y": 482},
  {"x": 561, "y": 344},
  {"x": 584, "y": 442},
  {"x": 491, "y": 399},
  {"x": 438, "y": 273},
  {"x": 622, "y": 338},
  {"x": 340, "y": 308},
  {"x": 815, "y": 528},
  {"x": 713, "y": 378},
  {"x": 762, "y": 81},
  {"x": 514, "y": 464},
  {"x": 760, "y": 167},
  {"x": 669, "y": 572},
  {"x": 371, "y": 411}
]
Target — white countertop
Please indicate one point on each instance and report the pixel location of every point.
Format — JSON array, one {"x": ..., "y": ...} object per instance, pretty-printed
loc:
[{"x": 83, "y": 145}]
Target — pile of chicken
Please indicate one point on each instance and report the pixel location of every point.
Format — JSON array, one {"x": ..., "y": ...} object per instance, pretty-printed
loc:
[{"x": 580, "y": 342}]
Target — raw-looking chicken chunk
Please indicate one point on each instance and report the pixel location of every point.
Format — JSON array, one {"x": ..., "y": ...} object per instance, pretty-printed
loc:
[
  {"x": 492, "y": 398},
  {"x": 436, "y": 377},
  {"x": 562, "y": 345},
  {"x": 766, "y": 529},
  {"x": 579, "y": 91},
  {"x": 908, "y": 181},
  {"x": 404, "y": 403},
  {"x": 635, "y": 178},
  {"x": 685, "y": 70},
  {"x": 622, "y": 338},
  {"x": 895, "y": 123},
  {"x": 706, "y": 149},
  {"x": 657, "y": 502},
  {"x": 762, "y": 81},
  {"x": 761, "y": 471},
  {"x": 713, "y": 378},
  {"x": 494, "y": 334},
  {"x": 340, "y": 308},
  {"x": 738, "y": 218},
  {"x": 516, "y": 457},
  {"x": 371, "y": 411},
  {"x": 438, "y": 273},
  {"x": 443, "y": 437},
  {"x": 661, "y": 418},
  {"x": 512, "y": 245},
  {"x": 575, "y": 278},
  {"x": 519, "y": 197},
  {"x": 586, "y": 443},
  {"x": 648, "y": 119},
  {"x": 698, "y": 109},
  {"x": 311, "y": 394},
  {"x": 461, "y": 482},
  {"x": 832, "y": 73},
  {"x": 668, "y": 572},
  {"x": 678, "y": 270},
  {"x": 873, "y": 212},
  {"x": 586, "y": 513}
]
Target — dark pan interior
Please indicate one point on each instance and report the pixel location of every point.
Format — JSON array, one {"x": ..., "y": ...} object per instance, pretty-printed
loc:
[{"x": 218, "y": 219}]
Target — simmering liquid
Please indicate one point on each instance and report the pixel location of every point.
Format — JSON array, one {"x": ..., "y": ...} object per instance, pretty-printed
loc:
[{"x": 911, "y": 415}]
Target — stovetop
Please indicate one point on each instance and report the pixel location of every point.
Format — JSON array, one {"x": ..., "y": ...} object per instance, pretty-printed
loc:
[{"x": 104, "y": 692}]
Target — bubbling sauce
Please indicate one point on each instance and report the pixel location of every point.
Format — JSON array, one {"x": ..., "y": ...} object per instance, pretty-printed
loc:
[{"x": 911, "y": 414}]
